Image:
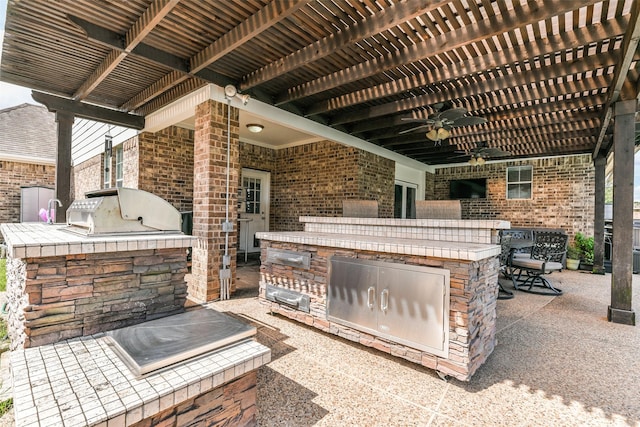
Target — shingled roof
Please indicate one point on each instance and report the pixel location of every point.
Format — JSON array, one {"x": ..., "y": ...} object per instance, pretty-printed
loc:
[{"x": 28, "y": 133}]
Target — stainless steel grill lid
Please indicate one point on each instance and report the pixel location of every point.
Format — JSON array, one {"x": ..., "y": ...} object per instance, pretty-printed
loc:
[
  {"x": 122, "y": 210},
  {"x": 159, "y": 343}
]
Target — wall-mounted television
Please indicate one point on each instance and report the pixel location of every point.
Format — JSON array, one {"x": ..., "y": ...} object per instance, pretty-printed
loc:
[{"x": 468, "y": 188}]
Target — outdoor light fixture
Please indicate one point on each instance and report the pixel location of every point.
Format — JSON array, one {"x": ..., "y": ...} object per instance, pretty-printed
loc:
[
  {"x": 231, "y": 92},
  {"x": 255, "y": 128},
  {"x": 477, "y": 160},
  {"x": 108, "y": 143},
  {"x": 438, "y": 134}
]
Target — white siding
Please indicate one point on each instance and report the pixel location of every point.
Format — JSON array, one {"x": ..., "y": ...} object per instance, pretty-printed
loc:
[{"x": 88, "y": 138}]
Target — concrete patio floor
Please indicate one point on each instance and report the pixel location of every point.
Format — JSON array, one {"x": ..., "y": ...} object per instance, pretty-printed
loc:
[{"x": 557, "y": 362}]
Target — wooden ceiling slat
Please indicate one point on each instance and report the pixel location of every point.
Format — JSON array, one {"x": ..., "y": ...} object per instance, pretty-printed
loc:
[
  {"x": 391, "y": 17},
  {"x": 541, "y": 72},
  {"x": 441, "y": 44}
]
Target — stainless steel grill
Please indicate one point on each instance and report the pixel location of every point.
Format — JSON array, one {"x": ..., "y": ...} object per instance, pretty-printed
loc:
[{"x": 122, "y": 210}]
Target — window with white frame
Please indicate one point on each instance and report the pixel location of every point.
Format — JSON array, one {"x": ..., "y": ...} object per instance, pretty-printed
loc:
[
  {"x": 405, "y": 200},
  {"x": 519, "y": 182},
  {"x": 119, "y": 167}
]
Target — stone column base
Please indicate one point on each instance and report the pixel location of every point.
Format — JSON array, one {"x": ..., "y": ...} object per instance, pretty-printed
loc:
[{"x": 625, "y": 317}]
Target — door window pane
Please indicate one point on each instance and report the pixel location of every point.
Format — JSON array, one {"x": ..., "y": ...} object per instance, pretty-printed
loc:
[{"x": 405, "y": 200}]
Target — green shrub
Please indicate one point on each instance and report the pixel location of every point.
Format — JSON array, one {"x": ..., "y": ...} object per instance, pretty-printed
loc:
[
  {"x": 573, "y": 252},
  {"x": 585, "y": 245},
  {"x": 5, "y": 406},
  {"x": 3, "y": 274}
]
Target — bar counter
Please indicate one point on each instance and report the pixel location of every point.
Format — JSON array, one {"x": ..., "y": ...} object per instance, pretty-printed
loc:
[{"x": 463, "y": 252}]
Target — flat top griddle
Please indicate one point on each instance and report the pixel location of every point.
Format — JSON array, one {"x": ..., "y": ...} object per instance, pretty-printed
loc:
[{"x": 159, "y": 343}]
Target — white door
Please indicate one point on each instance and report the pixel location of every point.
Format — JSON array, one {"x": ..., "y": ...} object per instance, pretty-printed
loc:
[{"x": 253, "y": 212}]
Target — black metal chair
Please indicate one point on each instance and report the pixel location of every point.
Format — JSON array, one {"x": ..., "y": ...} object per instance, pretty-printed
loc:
[
  {"x": 547, "y": 253},
  {"x": 505, "y": 257}
]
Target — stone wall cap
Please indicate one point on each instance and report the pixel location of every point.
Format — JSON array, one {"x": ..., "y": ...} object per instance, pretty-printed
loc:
[
  {"x": 36, "y": 240},
  {"x": 419, "y": 247},
  {"x": 493, "y": 224}
]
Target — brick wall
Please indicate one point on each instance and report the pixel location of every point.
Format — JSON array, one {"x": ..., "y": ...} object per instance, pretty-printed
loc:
[
  {"x": 160, "y": 163},
  {"x": 130, "y": 161},
  {"x": 256, "y": 157},
  {"x": 166, "y": 165},
  {"x": 314, "y": 179},
  {"x": 14, "y": 175},
  {"x": 563, "y": 193},
  {"x": 87, "y": 176}
]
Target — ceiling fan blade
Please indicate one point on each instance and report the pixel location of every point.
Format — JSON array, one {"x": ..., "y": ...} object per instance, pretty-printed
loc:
[
  {"x": 469, "y": 121},
  {"x": 413, "y": 128},
  {"x": 412, "y": 119},
  {"x": 452, "y": 114},
  {"x": 493, "y": 152}
]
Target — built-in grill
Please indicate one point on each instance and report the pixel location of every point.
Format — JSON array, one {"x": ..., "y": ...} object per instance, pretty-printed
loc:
[{"x": 122, "y": 210}]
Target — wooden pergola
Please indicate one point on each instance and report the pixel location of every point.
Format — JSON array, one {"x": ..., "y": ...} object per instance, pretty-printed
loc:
[{"x": 550, "y": 77}]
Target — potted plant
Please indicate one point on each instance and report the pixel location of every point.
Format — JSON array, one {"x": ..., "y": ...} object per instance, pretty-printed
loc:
[
  {"x": 585, "y": 246},
  {"x": 573, "y": 257}
]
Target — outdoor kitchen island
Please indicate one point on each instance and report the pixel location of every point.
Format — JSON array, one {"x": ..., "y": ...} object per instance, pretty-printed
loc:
[
  {"x": 424, "y": 289},
  {"x": 98, "y": 327}
]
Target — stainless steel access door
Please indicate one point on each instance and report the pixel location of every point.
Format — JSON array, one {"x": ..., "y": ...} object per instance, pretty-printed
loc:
[
  {"x": 352, "y": 293},
  {"x": 412, "y": 305},
  {"x": 407, "y": 304}
]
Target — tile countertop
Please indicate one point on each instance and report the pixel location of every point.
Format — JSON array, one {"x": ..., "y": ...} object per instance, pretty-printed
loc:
[
  {"x": 491, "y": 224},
  {"x": 418, "y": 247},
  {"x": 82, "y": 382},
  {"x": 37, "y": 239}
]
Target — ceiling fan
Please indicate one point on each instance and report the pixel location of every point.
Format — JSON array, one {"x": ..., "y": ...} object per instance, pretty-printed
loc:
[
  {"x": 443, "y": 121},
  {"x": 482, "y": 152}
]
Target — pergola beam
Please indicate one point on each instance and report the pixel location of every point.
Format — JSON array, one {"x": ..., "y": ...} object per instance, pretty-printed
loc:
[
  {"x": 88, "y": 111},
  {"x": 628, "y": 51},
  {"x": 198, "y": 63},
  {"x": 505, "y": 96},
  {"x": 582, "y": 36},
  {"x": 368, "y": 27},
  {"x": 134, "y": 36},
  {"x": 529, "y": 14}
]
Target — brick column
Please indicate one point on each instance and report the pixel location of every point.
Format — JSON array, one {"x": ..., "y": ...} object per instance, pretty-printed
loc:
[{"x": 209, "y": 197}]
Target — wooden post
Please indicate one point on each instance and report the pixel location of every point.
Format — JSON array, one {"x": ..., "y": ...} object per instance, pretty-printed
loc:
[
  {"x": 598, "y": 216},
  {"x": 63, "y": 163},
  {"x": 620, "y": 310}
]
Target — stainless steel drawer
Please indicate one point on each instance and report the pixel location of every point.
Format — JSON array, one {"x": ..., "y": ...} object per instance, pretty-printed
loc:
[
  {"x": 288, "y": 297},
  {"x": 291, "y": 258}
]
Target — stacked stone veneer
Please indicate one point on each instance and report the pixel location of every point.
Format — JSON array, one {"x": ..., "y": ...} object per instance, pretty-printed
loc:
[
  {"x": 472, "y": 310},
  {"x": 59, "y": 297},
  {"x": 563, "y": 193},
  {"x": 233, "y": 404}
]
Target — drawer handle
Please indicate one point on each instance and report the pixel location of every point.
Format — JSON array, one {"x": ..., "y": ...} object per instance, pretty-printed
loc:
[
  {"x": 290, "y": 301},
  {"x": 384, "y": 300},
  {"x": 294, "y": 260},
  {"x": 371, "y": 292}
]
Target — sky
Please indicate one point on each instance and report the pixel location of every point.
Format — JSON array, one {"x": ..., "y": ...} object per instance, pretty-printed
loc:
[{"x": 12, "y": 95}]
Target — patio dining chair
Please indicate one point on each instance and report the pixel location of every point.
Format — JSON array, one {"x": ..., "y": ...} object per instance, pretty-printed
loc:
[
  {"x": 505, "y": 262},
  {"x": 547, "y": 253}
]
